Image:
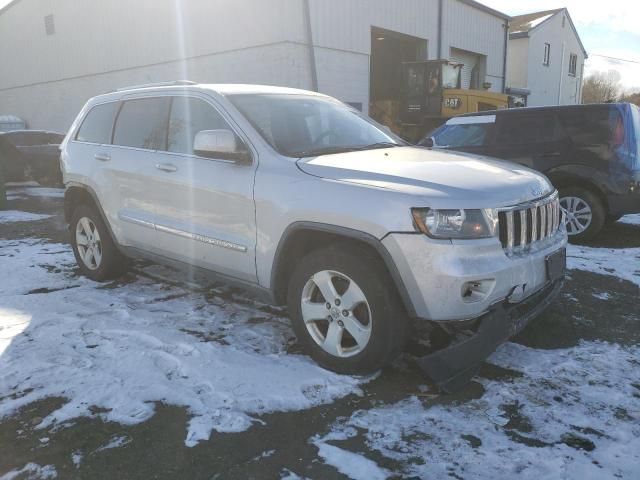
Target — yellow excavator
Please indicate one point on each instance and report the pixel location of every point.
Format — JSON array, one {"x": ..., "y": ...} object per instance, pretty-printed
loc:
[{"x": 431, "y": 93}]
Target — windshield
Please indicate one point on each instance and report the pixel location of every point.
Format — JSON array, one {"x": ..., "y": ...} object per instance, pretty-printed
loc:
[
  {"x": 307, "y": 125},
  {"x": 462, "y": 135}
]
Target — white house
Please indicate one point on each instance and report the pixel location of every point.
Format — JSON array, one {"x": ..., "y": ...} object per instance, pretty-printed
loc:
[
  {"x": 55, "y": 54},
  {"x": 546, "y": 57}
]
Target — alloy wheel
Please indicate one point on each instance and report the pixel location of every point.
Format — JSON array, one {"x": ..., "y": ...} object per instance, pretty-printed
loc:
[
  {"x": 88, "y": 243},
  {"x": 336, "y": 313},
  {"x": 578, "y": 214}
]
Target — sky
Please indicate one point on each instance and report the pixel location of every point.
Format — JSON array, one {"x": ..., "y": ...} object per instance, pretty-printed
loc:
[{"x": 606, "y": 28}]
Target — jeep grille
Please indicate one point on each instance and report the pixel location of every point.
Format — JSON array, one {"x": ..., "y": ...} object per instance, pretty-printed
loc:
[{"x": 525, "y": 227}]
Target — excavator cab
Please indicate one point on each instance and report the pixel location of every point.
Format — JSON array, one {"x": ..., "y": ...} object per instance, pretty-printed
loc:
[{"x": 423, "y": 88}]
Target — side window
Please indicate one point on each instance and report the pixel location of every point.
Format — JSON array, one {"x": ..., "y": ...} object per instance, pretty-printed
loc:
[
  {"x": 518, "y": 130},
  {"x": 464, "y": 135},
  {"x": 142, "y": 124},
  {"x": 98, "y": 124},
  {"x": 587, "y": 128},
  {"x": 188, "y": 117},
  {"x": 547, "y": 55},
  {"x": 573, "y": 64}
]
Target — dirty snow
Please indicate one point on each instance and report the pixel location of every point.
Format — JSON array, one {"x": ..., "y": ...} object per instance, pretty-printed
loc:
[
  {"x": 573, "y": 413},
  {"x": 351, "y": 464},
  {"x": 22, "y": 192},
  {"x": 11, "y": 216},
  {"x": 76, "y": 458},
  {"x": 631, "y": 219},
  {"x": 115, "y": 442},
  {"x": 622, "y": 262},
  {"x": 32, "y": 471},
  {"x": 122, "y": 347}
]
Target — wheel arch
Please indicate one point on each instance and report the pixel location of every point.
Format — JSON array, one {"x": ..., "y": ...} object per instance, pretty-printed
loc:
[
  {"x": 301, "y": 238},
  {"x": 567, "y": 176},
  {"x": 76, "y": 195}
]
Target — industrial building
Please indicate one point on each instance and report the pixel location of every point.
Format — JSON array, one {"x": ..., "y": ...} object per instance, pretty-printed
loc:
[{"x": 55, "y": 54}]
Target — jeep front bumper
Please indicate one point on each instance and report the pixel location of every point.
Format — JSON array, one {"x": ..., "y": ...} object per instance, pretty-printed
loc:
[{"x": 461, "y": 280}]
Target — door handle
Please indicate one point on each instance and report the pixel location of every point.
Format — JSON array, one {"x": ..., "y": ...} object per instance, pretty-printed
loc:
[
  {"x": 167, "y": 167},
  {"x": 103, "y": 157}
]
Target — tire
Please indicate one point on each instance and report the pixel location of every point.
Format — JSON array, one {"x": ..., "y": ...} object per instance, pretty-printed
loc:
[
  {"x": 105, "y": 262},
  {"x": 585, "y": 213},
  {"x": 379, "y": 322}
]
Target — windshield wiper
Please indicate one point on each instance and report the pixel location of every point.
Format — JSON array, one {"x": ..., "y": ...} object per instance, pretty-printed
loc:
[
  {"x": 332, "y": 150},
  {"x": 322, "y": 151},
  {"x": 373, "y": 146}
]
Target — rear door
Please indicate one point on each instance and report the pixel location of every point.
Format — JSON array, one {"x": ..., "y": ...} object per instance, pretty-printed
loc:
[
  {"x": 532, "y": 139},
  {"x": 205, "y": 213},
  {"x": 139, "y": 132},
  {"x": 589, "y": 130}
]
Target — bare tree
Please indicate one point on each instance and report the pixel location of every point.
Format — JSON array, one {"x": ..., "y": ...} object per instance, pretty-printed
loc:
[
  {"x": 601, "y": 87},
  {"x": 631, "y": 98}
]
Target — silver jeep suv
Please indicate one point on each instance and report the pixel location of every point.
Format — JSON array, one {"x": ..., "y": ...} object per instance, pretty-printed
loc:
[{"x": 306, "y": 201}]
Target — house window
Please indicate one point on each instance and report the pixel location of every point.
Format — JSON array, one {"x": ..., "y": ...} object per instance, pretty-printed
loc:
[
  {"x": 573, "y": 64},
  {"x": 547, "y": 54}
]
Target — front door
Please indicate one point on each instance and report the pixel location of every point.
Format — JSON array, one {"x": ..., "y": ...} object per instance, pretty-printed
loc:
[{"x": 204, "y": 209}]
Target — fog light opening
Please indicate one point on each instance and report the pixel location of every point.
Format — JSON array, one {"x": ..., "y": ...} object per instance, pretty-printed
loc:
[{"x": 477, "y": 290}]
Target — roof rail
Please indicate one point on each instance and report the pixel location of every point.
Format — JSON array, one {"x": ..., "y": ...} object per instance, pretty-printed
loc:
[{"x": 158, "y": 84}]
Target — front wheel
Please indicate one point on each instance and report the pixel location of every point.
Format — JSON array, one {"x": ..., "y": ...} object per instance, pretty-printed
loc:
[
  {"x": 584, "y": 213},
  {"x": 345, "y": 311}
]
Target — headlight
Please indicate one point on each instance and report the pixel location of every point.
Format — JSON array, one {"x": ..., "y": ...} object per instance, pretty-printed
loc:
[{"x": 456, "y": 224}]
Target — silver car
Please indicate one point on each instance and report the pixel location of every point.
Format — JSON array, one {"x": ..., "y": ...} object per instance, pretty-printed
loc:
[{"x": 309, "y": 203}]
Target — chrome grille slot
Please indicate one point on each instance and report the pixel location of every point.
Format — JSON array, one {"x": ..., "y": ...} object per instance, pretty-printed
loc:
[{"x": 526, "y": 226}]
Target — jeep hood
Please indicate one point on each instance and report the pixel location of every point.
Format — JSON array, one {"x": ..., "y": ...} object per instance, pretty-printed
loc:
[{"x": 460, "y": 180}]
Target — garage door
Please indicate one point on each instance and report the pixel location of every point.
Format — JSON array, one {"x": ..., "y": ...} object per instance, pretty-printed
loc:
[{"x": 470, "y": 60}]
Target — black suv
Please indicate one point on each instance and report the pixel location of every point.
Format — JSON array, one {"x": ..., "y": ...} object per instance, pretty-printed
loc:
[
  {"x": 32, "y": 154},
  {"x": 589, "y": 152}
]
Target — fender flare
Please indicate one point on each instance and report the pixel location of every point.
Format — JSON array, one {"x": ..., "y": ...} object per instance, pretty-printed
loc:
[
  {"x": 87, "y": 189},
  {"x": 351, "y": 234}
]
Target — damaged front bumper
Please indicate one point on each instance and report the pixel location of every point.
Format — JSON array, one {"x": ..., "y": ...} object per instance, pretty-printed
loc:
[{"x": 452, "y": 367}]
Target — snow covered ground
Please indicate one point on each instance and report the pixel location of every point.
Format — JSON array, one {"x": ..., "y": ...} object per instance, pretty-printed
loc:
[
  {"x": 9, "y": 216},
  {"x": 631, "y": 219},
  {"x": 572, "y": 413},
  {"x": 124, "y": 346},
  {"x": 618, "y": 262},
  {"x": 114, "y": 350},
  {"x": 29, "y": 190}
]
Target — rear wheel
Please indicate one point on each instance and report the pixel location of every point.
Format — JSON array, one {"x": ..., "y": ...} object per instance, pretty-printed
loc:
[
  {"x": 345, "y": 312},
  {"x": 93, "y": 247},
  {"x": 584, "y": 213}
]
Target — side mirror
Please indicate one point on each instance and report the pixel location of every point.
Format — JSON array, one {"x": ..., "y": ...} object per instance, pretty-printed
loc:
[
  {"x": 428, "y": 142},
  {"x": 219, "y": 144}
]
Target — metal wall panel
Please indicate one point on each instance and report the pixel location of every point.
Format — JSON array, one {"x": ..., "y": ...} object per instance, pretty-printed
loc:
[
  {"x": 99, "y": 45},
  {"x": 97, "y": 36},
  {"x": 470, "y": 29}
]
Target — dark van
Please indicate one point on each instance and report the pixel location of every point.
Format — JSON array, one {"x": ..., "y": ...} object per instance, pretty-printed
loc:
[{"x": 589, "y": 152}]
